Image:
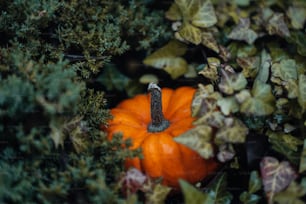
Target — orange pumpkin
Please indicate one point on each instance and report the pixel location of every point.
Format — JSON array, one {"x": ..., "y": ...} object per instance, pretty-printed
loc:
[{"x": 162, "y": 156}]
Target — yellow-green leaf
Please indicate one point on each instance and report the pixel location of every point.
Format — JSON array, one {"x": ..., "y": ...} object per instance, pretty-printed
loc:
[
  {"x": 293, "y": 194},
  {"x": 249, "y": 65},
  {"x": 198, "y": 139},
  {"x": 209, "y": 41},
  {"x": 193, "y": 195},
  {"x": 168, "y": 58},
  {"x": 200, "y": 13},
  {"x": 190, "y": 33},
  {"x": 210, "y": 70},
  {"x": 174, "y": 13},
  {"x": 276, "y": 25}
]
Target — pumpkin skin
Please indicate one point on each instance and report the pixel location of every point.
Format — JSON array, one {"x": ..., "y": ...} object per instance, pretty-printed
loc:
[{"x": 162, "y": 156}]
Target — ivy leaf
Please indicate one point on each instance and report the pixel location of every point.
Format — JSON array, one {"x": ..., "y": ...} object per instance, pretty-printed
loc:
[
  {"x": 293, "y": 194},
  {"x": 303, "y": 158},
  {"x": 228, "y": 105},
  {"x": 276, "y": 176},
  {"x": 255, "y": 182},
  {"x": 243, "y": 32},
  {"x": 57, "y": 134},
  {"x": 264, "y": 69},
  {"x": 231, "y": 81},
  {"x": 249, "y": 198},
  {"x": 262, "y": 101},
  {"x": 209, "y": 41},
  {"x": 249, "y": 65},
  {"x": 174, "y": 13},
  {"x": 168, "y": 58},
  {"x": 198, "y": 139},
  {"x": 297, "y": 15},
  {"x": 199, "y": 12},
  {"x": 194, "y": 196},
  {"x": 210, "y": 70},
  {"x": 276, "y": 25},
  {"x": 158, "y": 195},
  {"x": 298, "y": 38},
  {"x": 233, "y": 131},
  {"x": 218, "y": 191},
  {"x": 190, "y": 33},
  {"x": 285, "y": 70},
  {"x": 302, "y": 91},
  {"x": 285, "y": 144},
  {"x": 200, "y": 104}
]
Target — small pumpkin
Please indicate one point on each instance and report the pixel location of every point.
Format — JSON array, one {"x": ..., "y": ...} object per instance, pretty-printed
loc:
[{"x": 141, "y": 118}]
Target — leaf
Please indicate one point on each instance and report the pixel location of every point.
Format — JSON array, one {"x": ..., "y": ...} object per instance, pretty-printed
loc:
[
  {"x": 249, "y": 65},
  {"x": 285, "y": 70},
  {"x": 194, "y": 196},
  {"x": 264, "y": 69},
  {"x": 243, "y": 32},
  {"x": 303, "y": 158},
  {"x": 285, "y": 144},
  {"x": 226, "y": 153},
  {"x": 293, "y": 194},
  {"x": 209, "y": 41},
  {"x": 174, "y": 13},
  {"x": 199, "y": 12},
  {"x": 248, "y": 198},
  {"x": 231, "y": 82},
  {"x": 297, "y": 15},
  {"x": 210, "y": 70},
  {"x": 276, "y": 25},
  {"x": 200, "y": 105},
  {"x": 198, "y": 139},
  {"x": 159, "y": 194},
  {"x": 233, "y": 131},
  {"x": 168, "y": 58},
  {"x": 218, "y": 191},
  {"x": 302, "y": 92},
  {"x": 190, "y": 33},
  {"x": 148, "y": 78},
  {"x": 228, "y": 105},
  {"x": 262, "y": 101},
  {"x": 254, "y": 182},
  {"x": 275, "y": 176}
]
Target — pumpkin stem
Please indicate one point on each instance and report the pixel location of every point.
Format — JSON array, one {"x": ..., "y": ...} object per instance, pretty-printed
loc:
[{"x": 158, "y": 121}]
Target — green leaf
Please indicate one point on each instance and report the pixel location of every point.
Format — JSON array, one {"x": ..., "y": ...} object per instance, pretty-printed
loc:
[
  {"x": 231, "y": 81},
  {"x": 293, "y": 194},
  {"x": 302, "y": 91},
  {"x": 199, "y": 13},
  {"x": 303, "y": 159},
  {"x": 276, "y": 25},
  {"x": 168, "y": 58},
  {"x": 285, "y": 70},
  {"x": 254, "y": 182},
  {"x": 233, "y": 131},
  {"x": 297, "y": 15},
  {"x": 218, "y": 191},
  {"x": 243, "y": 32},
  {"x": 242, "y": 2},
  {"x": 264, "y": 70},
  {"x": 262, "y": 101},
  {"x": 194, "y": 196},
  {"x": 228, "y": 105},
  {"x": 198, "y": 139},
  {"x": 249, "y": 198}
]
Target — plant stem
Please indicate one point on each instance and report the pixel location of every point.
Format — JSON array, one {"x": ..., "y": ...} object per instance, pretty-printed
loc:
[{"x": 158, "y": 121}]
